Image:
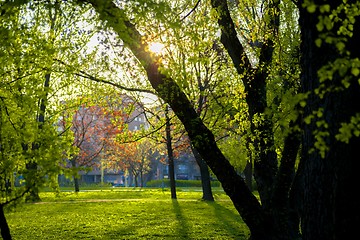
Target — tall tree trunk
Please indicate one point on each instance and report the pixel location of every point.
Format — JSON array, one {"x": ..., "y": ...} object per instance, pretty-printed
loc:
[
  {"x": 331, "y": 176},
  {"x": 170, "y": 154},
  {"x": 204, "y": 169},
  {"x": 5, "y": 230},
  {"x": 254, "y": 80},
  {"x": 31, "y": 183},
  {"x": 284, "y": 213},
  {"x": 32, "y": 165},
  {"x": 141, "y": 179},
  {"x": 205, "y": 176},
  {"x": 136, "y": 180},
  {"x": 75, "y": 175},
  {"x": 248, "y": 172},
  {"x": 76, "y": 183}
]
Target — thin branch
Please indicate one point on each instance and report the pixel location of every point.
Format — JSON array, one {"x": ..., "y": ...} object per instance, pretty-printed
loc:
[
  {"x": 20, "y": 77},
  {"x": 191, "y": 11},
  {"x": 84, "y": 74},
  {"x": 144, "y": 136},
  {"x": 17, "y": 197},
  {"x": 64, "y": 131},
  {"x": 96, "y": 79},
  {"x": 8, "y": 114}
]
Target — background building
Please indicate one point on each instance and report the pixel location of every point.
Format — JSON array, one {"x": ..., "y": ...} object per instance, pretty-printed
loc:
[{"x": 186, "y": 167}]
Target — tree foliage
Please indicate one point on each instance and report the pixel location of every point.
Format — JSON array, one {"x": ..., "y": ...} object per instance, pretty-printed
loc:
[
  {"x": 94, "y": 124},
  {"x": 132, "y": 157}
]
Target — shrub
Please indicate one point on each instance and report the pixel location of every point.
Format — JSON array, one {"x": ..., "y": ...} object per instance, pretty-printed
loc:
[{"x": 165, "y": 183}]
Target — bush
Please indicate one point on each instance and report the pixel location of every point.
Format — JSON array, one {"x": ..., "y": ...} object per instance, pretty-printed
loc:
[{"x": 179, "y": 183}]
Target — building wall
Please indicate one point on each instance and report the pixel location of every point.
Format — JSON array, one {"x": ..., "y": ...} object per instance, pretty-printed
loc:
[{"x": 186, "y": 168}]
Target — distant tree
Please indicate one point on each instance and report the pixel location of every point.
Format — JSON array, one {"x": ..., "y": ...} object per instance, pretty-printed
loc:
[
  {"x": 134, "y": 157},
  {"x": 166, "y": 130},
  {"x": 95, "y": 126},
  {"x": 170, "y": 152}
]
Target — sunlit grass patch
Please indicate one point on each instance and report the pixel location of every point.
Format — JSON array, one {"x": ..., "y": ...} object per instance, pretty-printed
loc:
[
  {"x": 126, "y": 193},
  {"x": 131, "y": 214}
]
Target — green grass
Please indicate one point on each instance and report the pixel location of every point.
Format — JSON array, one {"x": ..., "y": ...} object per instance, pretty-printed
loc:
[{"x": 127, "y": 214}]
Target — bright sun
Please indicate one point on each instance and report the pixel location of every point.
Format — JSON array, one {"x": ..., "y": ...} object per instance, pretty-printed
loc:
[{"x": 157, "y": 48}]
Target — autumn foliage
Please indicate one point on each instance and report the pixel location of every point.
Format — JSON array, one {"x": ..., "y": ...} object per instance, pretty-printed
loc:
[
  {"x": 95, "y": 128},
  {"x": 134, "y": 157}
]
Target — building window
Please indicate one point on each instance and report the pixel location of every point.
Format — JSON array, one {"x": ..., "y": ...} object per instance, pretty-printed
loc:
[{"x": 182, "y": 169}]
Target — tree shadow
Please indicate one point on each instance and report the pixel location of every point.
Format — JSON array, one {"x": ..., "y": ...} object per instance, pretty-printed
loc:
[
  {"x": 182, "y": 227},
  {"x": 178, "y": 228},
  {"x": 230, "y": 221},
  {"x": 120, "y": 232}
]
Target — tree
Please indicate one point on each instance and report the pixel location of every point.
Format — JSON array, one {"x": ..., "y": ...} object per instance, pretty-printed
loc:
[
  {"x": 170, "y": 153},
  {"x": 173, "y": 137},
  {"x": 134, "y": 157},
  {"x": 95, "y": 125},
  {"x": 201, "y": 137}
]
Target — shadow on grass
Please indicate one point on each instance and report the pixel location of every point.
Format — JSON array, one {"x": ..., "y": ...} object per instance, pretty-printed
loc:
[
  {"x": 120, "y": 232},
  {"x": 238, "y": 228},
  {"x": 182, "y": 226}
]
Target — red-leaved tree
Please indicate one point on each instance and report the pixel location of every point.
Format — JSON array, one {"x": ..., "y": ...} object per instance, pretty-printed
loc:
[
  {"x": 95, "y": 127},
  {"x": 134, "y": 157}
]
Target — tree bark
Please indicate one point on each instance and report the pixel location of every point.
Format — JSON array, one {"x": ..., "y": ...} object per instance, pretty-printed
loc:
[
  {"x": 5, "y": 230},
  {"x": 248, "y": 172},
  {"x": 76, "y": 183},
  {"x": 170, "y": 154},
  {"x": 331, "y": 176},
  {"x": 205, "y": 176},
  {"x": 75, "y": 175},
  {"x": 284, "y": 213}
]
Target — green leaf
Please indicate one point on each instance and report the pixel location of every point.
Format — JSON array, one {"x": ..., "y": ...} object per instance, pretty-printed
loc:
[
  {"x": 325, "y": 8},
  {"x": 311, "y": 8},
  {"x": 355, "y": 71},
  {"x": 318, "y": 42}
]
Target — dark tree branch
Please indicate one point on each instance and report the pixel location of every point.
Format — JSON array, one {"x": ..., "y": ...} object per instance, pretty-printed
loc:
[
  {"x": 84, "y": 74},
  {"x": 191, "y": 11},
  {"x": 229, "y": 38}
]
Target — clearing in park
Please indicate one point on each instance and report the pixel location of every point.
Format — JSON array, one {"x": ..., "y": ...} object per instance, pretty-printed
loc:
[{"x": 125, "y": 213}]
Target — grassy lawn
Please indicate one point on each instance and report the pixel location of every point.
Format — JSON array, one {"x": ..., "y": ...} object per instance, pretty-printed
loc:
[{"x": 123, "y": 213}]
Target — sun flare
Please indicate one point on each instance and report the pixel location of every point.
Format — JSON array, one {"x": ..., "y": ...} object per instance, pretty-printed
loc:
[{"x": 157, "y": 48}]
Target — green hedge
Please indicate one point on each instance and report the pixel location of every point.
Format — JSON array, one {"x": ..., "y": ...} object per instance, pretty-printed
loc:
[{"x": 179, "y": 183}]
